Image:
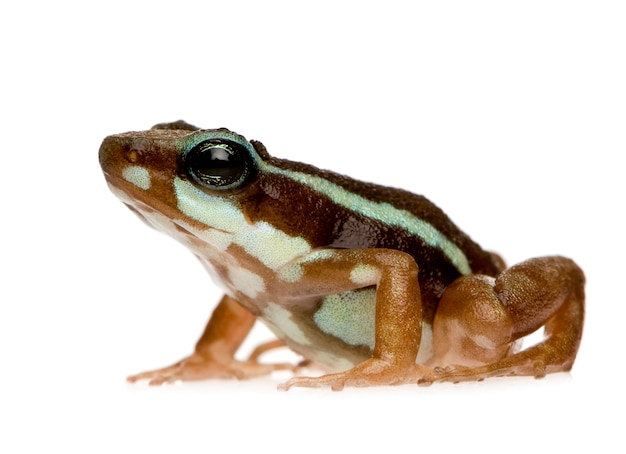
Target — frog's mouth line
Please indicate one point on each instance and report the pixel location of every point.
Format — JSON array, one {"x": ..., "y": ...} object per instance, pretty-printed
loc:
[{"x": 133, "y": 198}]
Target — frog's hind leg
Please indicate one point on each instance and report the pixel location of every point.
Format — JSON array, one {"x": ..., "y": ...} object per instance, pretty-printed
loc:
[{"x": 480, "y": 321}]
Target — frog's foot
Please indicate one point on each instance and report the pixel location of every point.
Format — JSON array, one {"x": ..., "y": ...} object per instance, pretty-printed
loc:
[
  {"x": 456, "y": 374},
  {"x": 537, "y": 361},
  {"x": 199, "y": 367},
  {"x": 373, "y": 372}
]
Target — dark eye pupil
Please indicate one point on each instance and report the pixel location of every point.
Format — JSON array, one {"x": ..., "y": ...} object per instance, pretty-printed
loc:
[{"x": 218, "y": 164}]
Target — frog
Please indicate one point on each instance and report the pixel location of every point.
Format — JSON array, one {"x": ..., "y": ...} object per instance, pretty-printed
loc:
[{"x": 371, "y": 285}]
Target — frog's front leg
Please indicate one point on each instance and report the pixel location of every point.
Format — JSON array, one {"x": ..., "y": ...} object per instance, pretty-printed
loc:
[
  {"x": 214, "y": 354},
  {"x": 398, "y": 314},
  {"x": 479, "y": 321}
]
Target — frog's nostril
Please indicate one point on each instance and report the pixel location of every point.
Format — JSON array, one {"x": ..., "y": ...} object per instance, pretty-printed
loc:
[
  {"x": 133, "y": 155},
  {"x": 117, "y": 152}
]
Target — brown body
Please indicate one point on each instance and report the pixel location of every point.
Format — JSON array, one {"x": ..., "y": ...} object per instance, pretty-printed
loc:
[{"x": 361, "y": 278}]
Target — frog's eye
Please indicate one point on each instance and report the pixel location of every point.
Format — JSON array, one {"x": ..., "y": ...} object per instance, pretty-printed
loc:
[{"x": 219, "y": 164}]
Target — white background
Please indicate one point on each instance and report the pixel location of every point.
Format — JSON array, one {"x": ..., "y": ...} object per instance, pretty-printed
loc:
[{"x": 509, "y": 115}]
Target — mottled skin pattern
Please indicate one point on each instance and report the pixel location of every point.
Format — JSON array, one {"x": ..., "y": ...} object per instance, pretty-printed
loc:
[{"x": 375, "y": 284}]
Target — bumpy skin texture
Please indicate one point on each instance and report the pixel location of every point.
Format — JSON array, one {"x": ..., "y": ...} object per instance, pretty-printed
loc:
[{"x": 373, "y": 283}]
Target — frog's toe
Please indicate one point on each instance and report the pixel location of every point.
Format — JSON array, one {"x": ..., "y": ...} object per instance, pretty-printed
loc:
[
  {"x": 157, "y": 377},
  {"x": 162, "y": 379},
  {"x": 186, "y": 369},
  {"x": 265, "y": 347},
  {"x": 445, "y": 374},
  {"x": 197, "y": 368},
  {"x": 373, "y": 372},
  {"x": 335, "y": 381},
  {"x": 251, "y": 369}
]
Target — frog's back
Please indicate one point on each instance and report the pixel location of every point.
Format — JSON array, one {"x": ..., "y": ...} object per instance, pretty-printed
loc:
[{"x": 340, "y": 212}]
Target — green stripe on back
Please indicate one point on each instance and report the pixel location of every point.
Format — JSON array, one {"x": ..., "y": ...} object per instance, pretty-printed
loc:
[{"x": 382, "y": 212}]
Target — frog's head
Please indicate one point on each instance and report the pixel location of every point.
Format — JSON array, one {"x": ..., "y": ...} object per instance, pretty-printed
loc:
[{"x": 177, "y": 172}]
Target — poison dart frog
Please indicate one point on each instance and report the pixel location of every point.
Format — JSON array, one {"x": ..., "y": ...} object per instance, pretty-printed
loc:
[{"x": 375, "y": 285}]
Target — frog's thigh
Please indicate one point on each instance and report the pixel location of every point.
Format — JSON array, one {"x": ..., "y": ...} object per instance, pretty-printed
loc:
[{"x": 480, "y": 319}]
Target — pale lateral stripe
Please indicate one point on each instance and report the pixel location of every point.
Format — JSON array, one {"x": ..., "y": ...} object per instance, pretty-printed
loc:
[
  {"x": 273, "y": 247},
  {"x": 382, "y": 212}
]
